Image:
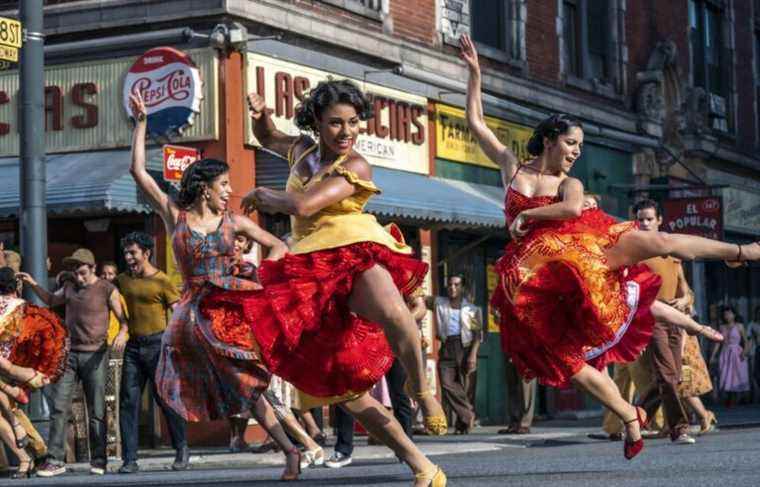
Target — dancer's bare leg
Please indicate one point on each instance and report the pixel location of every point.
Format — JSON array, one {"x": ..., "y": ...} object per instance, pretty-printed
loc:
[
  {"x": 636, "y": 246},
  {"x": 381, "y": 424},
  {"x": 9, "y": 438},
  {"x": 602, "y": 387},
  {"x": 291, "y": 424},
  {"x": 376, "y": 298},
  {"x": 668, "y": 314},
  {"x": 695, "y": 403},
  {"x": 309, "y": 423},
  {"x": 264, "y": 414}
]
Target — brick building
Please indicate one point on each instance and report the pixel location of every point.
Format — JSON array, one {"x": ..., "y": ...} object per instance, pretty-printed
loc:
[{"x": 668, "y": 93}]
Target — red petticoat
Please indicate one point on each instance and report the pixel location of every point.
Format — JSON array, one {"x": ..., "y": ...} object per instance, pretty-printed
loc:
[
  {"x": 562, "y": 307},
  {"x": 302, "y": 324},
  {"x": 42, "y": 344}
]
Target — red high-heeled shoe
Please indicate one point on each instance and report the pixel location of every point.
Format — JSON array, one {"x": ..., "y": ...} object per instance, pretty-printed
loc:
[{"x": 631, "y": 449}]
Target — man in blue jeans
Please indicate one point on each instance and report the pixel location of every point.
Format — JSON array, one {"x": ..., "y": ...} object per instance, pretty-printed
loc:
[
  {"x": 149, "y": 295},
  {"x": 89, "y": 301}
]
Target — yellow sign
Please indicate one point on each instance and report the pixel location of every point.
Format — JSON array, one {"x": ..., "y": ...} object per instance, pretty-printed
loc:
[
  {"x": 9, "y": 54},
  {"x": 455, "y": 142},
  {"x": 492, "y": 280},
  {"x": 10, "y": 32}
]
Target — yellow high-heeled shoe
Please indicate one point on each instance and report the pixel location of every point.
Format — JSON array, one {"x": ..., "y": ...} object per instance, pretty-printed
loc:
[
  {"x": 435, "y": 425},
  {"x": 708, "y": 424},
  {"x": 436, "y": 477}
]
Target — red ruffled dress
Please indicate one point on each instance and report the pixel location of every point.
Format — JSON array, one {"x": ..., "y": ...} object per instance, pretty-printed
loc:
[
  {"x": 301, "y": 320},
  {"x": 34, "y": 337},
  {"x": 561, "y": 306}
]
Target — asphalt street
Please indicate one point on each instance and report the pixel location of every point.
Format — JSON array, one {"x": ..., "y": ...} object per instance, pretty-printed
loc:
[{"x": 727, "y": 458}]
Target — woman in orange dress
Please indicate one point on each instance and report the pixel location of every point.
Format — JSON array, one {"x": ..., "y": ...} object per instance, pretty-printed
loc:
[
  {"x": 33, "y": 350},
  {"x": 332, "y": 313},
  {"x": 572, "y": 296}
]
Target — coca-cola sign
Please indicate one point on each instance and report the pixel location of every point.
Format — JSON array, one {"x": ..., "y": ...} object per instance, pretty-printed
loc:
[
  {"x": 177, "y": 159},
  {"x": 695, "y": 216},
  {"x": 170, "y": 85}
]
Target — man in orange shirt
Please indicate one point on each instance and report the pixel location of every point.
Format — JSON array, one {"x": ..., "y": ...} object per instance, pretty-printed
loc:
[{"x": 664, "y": 350}]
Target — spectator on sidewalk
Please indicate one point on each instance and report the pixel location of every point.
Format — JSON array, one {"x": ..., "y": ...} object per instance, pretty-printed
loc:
[
  {"x": 666, "y": 345},
  {"x": 521, "y": 399},
  {"x": 732, "y": 358},
  {"x": 88, "y": 301},
  {"x": 149, "y": 295},
  {"x": 459, "y": 325},
  {"x": 753, "y": 337}
]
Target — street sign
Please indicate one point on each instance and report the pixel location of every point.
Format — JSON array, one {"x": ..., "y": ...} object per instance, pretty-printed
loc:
[
  {"x": 9, "y": 54},
  {"x": 10, "y": 32},
  {"x": 10, "y": 39}
]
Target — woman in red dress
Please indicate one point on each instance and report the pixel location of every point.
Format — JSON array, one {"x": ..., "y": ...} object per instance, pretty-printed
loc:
[
  {"x": 572, "y": 295},
  {"x": 332, "y": 313},
  {"x": 200, "y": 376}
]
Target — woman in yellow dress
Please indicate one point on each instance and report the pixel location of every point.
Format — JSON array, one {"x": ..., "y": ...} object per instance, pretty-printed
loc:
[{"x": 332, "y": 312}]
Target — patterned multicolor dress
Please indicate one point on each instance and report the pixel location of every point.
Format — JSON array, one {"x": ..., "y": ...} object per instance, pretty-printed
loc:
[
  {"x": 695, "y": 375},
  {"x": 33, "y": 337},
  {"x": 202, "y": 375},
  {"x": 561, "y": 306},
  {"x": 302, "y": 322}
]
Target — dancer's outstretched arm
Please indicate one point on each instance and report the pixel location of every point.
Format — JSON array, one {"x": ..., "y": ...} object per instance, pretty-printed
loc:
[
  {"x": 500, "y": 154},
  {"x": 264, "y": 129},
  {"x": 158, "y": 200},
  {"x": 665, "y": 313}
]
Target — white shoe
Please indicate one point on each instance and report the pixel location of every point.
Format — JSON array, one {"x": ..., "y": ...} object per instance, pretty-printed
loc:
[
  {"x": 312, "y": 458},
  {"x": 338, "y": 460},
  {"x": 684, "y": 439},
  {"x": 97, "y": 471}
]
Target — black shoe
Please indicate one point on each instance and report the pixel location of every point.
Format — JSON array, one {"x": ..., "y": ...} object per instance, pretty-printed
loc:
[
  {"x": 182, "y": 459},
  {"x": 129, "y": 467}
]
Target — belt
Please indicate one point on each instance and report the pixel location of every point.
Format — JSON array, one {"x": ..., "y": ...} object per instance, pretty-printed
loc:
[{"x": 146, "y": 339}]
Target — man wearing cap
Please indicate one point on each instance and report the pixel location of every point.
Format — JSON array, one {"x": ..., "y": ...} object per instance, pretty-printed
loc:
[{"x": 89, "y": 300}]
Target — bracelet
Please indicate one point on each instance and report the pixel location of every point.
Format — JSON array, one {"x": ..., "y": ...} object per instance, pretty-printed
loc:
[{"x": 141, "y": 117}]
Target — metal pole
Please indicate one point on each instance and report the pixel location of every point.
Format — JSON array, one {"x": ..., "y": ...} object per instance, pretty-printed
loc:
[{"x": 33, "y": 211}]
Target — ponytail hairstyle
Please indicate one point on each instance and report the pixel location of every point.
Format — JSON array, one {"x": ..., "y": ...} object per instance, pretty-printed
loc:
[
  {"x": 325, "y": 94},
  {"x": 551, "y": 128},
  {"x": 194, "y": 177}
]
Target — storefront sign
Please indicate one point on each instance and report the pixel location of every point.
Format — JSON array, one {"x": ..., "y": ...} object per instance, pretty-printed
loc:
[
  {"x": 84, "y": 105},
  {"x": 742, "y": 210},
  {"x": 170, "y": 85},
  {"x": 455, "y": 142},
  {"x": 396, "y": 136},
  {"x": 177, "y": 159},
  {"x": 694, "y": 216}
]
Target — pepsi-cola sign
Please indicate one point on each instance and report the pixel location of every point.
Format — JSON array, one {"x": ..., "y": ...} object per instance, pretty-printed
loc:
[{"x": 170, "y": 85}]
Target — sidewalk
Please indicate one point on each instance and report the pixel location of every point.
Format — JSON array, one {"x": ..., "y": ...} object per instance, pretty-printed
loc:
[{"x": 483, "y": 438}]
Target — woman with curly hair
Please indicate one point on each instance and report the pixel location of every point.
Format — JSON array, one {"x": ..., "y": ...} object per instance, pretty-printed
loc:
[
  {"x": 332, "y": 313},
  {"x": 33, "y": 349},
  {"x": 199, "y": 375}
]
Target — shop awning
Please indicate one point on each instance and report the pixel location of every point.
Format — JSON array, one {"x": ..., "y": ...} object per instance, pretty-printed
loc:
[
  {"x": 91, "y": 182},
  {"x": 412, "y": 196}
]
